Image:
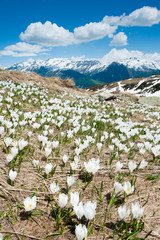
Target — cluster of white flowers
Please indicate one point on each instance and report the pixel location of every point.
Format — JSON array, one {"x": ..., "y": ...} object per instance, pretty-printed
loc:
[
  {"x": 126, "y": 187},
  {"x": 137, "y": 211},
  {"x": 92, "y": 166}
]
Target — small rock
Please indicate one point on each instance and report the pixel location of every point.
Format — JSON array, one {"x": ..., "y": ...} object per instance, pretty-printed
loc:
[{"x": 104, "y": 96}]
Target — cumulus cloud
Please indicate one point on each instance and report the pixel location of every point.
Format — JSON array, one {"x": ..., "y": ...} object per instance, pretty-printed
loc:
[
  {"x": 123, "y": 55},
  {"x": 113, "y": 20},
  {"x": 120, "y": 39},
  {"x": 93, "y": 31},
  {"x": 146, "y": 16},
  {"x": 142, "y": 17},
  {"x": 22, "y": 49},
  {"x": 47, "y": 34},
  {"x": 51, "y": 35}
]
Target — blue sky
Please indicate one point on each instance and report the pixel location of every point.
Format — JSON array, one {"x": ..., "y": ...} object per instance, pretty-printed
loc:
[{"x": 42, "y": 29}]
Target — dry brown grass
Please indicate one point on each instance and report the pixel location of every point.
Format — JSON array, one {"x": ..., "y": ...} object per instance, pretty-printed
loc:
[{"x": 53, "y": 83}]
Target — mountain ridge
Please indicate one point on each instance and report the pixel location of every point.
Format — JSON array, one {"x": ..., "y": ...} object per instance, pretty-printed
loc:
[{"x": 114, "y": 66}]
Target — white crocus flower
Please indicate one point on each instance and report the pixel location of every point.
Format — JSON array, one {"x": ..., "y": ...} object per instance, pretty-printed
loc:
[
  {"x": 14, "y": 151},
  {"x": 8, "y": 141},
  {"x": 92, "y": 166},
  {"x": 12, "y": 175},
  {"x": 30, "y": 203},
  {"x": 22, "y": 143},
  {"x": 142, "y": 151},
  {"x": 36, "y": 125},
  {"x": 76, "y": 159},
  {"x": 54, "y": 187},
  {"x": 9, "y": 157},
  {"x": 62, "y": 134},
  {"x": 55, "y": 144},
  {"x": 156, "y": 151},
  {"x": 29, "y": 133},
  {"x": 1, "y": 130},
  {"x": 99, "y": 146},
  {"x": 119, "y": 166},
  {"x": 70, "y": 180},
  {"x": 88, "y": 166},
  {"x": 78, "y": 151},
  {"x": 47, "y": 151},
  {"x": 48, "y": 168},
  {"x": 73, "y": 165},
  {"x": 74, "y": 198},
  {"x": 90, "y": 210},
  {"x": 123, "y": 212},
  {"x": 143, "y": 164},
  {"x": 128, "y": 188},
  {"x": 137, "y": 211},
  {"x": 111, "y": 147},
  {"x": 81, "y": 232},
  {"x": 69, "y": 133},
  {"x": 79, "y": 210},
  {"x": 117, "y": 187},
  {"x": 1, "y": 236},
  {"x": 77, "y": 141},
  {"x": 93, "y": 130},
  {"x": 65, "y": 158},
  {"x": 45, "y": 133},
  {"x": 63, "y": 199},
  {"x": 35, "y": 163},
  {"x": 14, "y": 143},
  {"x": 132, "y": 165}
]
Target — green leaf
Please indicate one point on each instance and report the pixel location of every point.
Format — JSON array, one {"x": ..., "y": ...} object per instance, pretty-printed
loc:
[
  {"x": 33, "y": 195},
  {"x": 148, "y": 234},
  {"x": 8, "y": 236},
  {"x": 52, "y": 234},
  {"x": 1, "y": 213},
  {"x": 133, "y": 234},
  {"x": 89, "y": 231}
]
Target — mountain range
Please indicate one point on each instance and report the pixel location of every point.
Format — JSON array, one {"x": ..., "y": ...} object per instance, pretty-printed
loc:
[{"x": 115, "y": 66}]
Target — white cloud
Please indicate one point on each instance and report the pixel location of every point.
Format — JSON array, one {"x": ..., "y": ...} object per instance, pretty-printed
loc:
[
  {"x": 146, "y": 16},
  {"x": 120, "y": 55},
  {"x": 51, "y": 35},
  {"x": 22, "y": 49},
  {"x": 93, "y": 31},
  {"x": 132, "y": 59},
  {"x": 113, "y": 20},
  {"x": 47, "y": 34},
  {"x": 142, "y": 17},
  {"x": 120, "y": 39}
]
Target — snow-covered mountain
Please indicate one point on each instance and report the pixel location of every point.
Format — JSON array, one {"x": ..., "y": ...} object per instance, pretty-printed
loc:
[
  {"x": 131, "y": 59},
  {"x": 81, "y": 66},
  {"x": 114, "y": 66}
]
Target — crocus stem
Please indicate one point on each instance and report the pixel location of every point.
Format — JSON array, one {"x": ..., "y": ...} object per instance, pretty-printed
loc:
[{"x": 87, "y": 222}]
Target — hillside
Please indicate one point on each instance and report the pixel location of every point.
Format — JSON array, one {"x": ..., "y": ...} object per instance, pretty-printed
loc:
[
  {"x": 75, "y": 167},
  {"x": 142, "y": 87}
]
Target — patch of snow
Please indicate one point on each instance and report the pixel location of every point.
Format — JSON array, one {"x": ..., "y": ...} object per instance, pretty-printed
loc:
[
  {"x": 120, "y": 88},
  {"x": 155, "y": 94}
]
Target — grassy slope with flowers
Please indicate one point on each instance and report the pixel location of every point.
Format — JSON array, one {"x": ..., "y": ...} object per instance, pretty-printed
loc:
[{"x": 67, "y": 142}]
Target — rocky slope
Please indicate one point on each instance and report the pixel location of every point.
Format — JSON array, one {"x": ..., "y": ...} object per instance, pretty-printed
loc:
[{"x": 144, "y": 86}]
